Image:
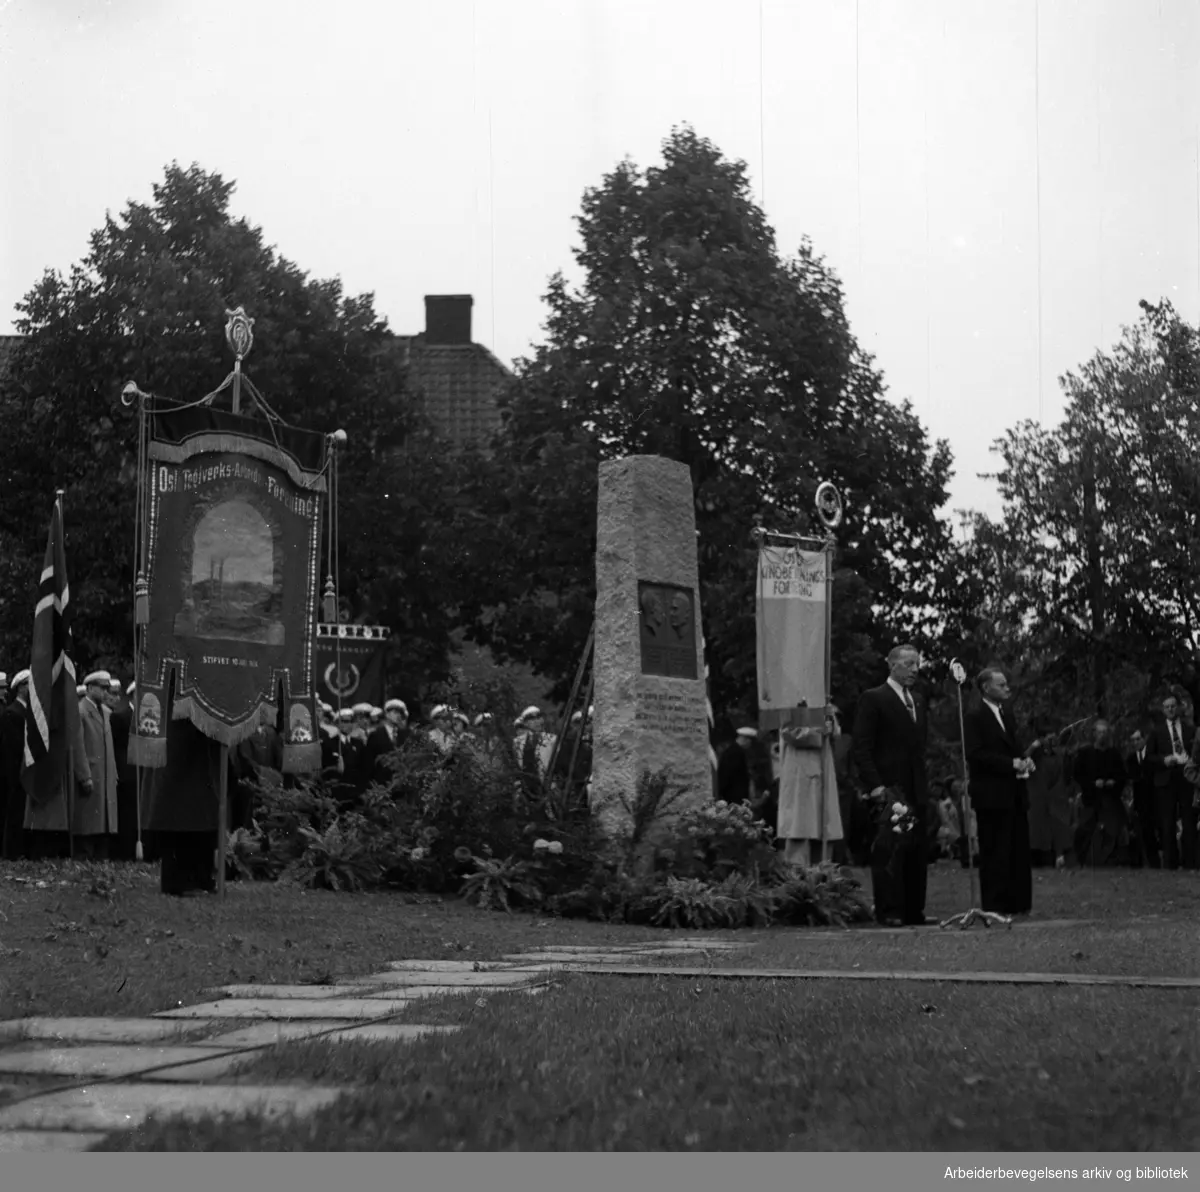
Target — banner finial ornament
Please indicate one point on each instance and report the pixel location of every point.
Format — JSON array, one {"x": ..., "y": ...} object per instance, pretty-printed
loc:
[
  {"x": 237, "y": 332},
  {"x": 829, "y": 505}
]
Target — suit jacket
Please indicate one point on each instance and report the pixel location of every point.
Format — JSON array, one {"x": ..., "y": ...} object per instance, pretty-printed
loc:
[
  {"x": 733, "y": 774},
  {"x": 1141, "y": 774},
  {"x": 96, "y": 814},
  {"x": 378, "y": 745},
  {"x": 990, "y": 752},
  {"x": 888, "y": 746},
  {"x": 12, "y": 750},
  {"x": 119, "y": 724},
  {"x": 1158, "y": 748}
]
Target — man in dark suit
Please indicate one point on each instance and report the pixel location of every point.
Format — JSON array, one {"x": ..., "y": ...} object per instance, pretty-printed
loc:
[
  {"x": 12, "y": 759},
  {"x": 386, "y": 737},
  {"x": 1139, "y": 766},
  {"x": 890, "y": 731},
  {"x": 124, "y": 847},
  {"x": 1170, "y": 742},
  {"x": 997, "y": 770},
  {"x": 733, "y": 768}
]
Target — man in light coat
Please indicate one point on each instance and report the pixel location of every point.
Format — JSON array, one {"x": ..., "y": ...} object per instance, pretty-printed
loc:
[{"x": 96, "y": 812}]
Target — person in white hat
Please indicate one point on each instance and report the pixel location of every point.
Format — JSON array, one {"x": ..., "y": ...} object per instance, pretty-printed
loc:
[
  {"x": 12, "y": 760},
  {"x": 385, "y": 738},
  {"x": 124, "y": 845},
  {"x": 441, "y": 731},
  {"x": 96, "y": 815},
  {"x": 533, "y": 747},
  {"x": 734, "y": 783}
]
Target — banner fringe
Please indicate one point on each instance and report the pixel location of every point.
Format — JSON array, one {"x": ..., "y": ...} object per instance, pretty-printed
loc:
[
  {"x": 232, "y": 735},
  {"x": 301, "y": 759},
  {"x": 150, "y": 753}
]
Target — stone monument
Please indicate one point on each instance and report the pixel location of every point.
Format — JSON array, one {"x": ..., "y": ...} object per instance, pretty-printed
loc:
[{"x": 650, "y": 692}]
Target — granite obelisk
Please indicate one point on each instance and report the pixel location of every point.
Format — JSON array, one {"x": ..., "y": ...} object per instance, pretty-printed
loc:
[{"x": 650, "y": 690}]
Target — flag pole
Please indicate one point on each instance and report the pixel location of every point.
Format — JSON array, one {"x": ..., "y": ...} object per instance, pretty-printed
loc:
[
  {"x": 69, "y": 781},
  {"x": 240, "y": 338},
  {"x": 831, "y": 512}
]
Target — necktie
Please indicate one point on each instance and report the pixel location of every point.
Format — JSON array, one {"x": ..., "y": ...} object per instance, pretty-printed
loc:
[
  {"x": 908, "y": 703},
  {"x": 1176, "y": 743}
]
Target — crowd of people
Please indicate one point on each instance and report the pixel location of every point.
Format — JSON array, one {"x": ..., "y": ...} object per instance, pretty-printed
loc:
[
  {"x": 1037, "y": 798},
  {"x": 107, "y": 822}
]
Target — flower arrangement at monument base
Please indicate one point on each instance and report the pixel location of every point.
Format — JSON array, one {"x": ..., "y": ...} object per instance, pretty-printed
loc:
[{"x": 458, "y": 825}]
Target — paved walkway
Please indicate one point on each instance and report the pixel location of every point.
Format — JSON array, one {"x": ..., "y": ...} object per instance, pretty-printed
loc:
[{"x": 66, "y": 1082}]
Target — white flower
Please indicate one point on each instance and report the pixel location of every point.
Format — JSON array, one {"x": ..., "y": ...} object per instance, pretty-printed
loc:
[
  {"x": 555, "y": 846},
  {"x": 417, "y": 854},
  {"x": 898, "y": 808},
  {"x": 539, "y": 843}
]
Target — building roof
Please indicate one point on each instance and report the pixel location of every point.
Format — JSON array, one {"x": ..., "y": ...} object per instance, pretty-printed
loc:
[{"x": 458, "y": 386}]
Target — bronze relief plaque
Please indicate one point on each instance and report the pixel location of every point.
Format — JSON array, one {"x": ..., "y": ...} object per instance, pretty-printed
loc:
[{"x": 667, "y": 630}]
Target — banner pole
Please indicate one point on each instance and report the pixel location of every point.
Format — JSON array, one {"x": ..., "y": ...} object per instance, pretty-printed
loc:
[
  {"x": 69, "y": 780},
  {"x": 827, "y": 742},
  {"x": 222, "y": 816}
]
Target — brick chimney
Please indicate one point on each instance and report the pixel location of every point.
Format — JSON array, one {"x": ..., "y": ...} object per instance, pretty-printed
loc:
[{"x": 448, "y": 318}]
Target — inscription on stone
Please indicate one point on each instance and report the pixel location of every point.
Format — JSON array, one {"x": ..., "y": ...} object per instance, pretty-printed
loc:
[
  {"x": 668, "y": 712},
  {"x": 667, "y": 630}
]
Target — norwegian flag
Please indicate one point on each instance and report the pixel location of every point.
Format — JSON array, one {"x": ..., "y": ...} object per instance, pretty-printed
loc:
[{"x": 52, "y": 716}]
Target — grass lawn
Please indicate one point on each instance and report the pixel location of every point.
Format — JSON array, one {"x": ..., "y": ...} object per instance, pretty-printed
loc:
[
  {"x": 101, "y": 939},
  {"x": 670, "y": 1064},
  {"x": 660, "y": 1063}
]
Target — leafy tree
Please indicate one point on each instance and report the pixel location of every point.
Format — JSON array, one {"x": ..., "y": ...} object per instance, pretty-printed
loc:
[
  {"x": 692, "y": 338},
  {"x": 148, "y": 302},
  {"x": 1086, "y": 582}
]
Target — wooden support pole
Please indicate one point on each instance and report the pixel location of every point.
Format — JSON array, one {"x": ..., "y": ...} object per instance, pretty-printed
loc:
[{"x": 222, "y": 816}]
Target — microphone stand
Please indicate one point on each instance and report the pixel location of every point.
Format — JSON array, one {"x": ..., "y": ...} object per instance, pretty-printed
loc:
[{"x": 968, "y": 918}]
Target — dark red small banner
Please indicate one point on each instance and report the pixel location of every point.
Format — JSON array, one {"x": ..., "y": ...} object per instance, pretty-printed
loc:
[
  {"x": 352, "y": 664},
  {"x": 234, "y": 531}
]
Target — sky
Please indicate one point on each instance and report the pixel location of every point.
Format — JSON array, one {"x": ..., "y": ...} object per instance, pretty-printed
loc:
[{"x": 997, "y": 183}]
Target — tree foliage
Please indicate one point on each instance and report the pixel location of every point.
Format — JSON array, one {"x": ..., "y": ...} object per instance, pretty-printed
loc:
[
  {"x": 691, "y": 337},
  {"x": 1086, "y": 583},
  {"x": 148, "y": 303}
]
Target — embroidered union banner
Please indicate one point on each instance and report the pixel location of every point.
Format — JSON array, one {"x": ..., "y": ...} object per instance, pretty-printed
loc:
[
  {"x": 351, "y": 664},
  {"x": 791, "y": 597},
  {"x": 234, "y": 509}
]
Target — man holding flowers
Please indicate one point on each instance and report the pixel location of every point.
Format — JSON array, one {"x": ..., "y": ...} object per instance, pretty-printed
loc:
[{"x": 890, "y": 732}]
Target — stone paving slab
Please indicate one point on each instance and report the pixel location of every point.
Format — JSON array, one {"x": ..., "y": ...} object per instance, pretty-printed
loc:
[
  {"x": 860, "y": 975},
  {"x": 104, "y": 1060},
  {"x": 96, "y": 1030},
  {"x": 412, "y": 993},
  {"x": 266, "y": 1007},
  {"x": 211, "y": 1069},
  {"x": 292, "y": 991},
  {"x": 446, "y": 966},
  {"x": 125, "y": 1106},
  {"x": 390, "y": 1032},
  {"x": 260, "y": 1034},
  {"x": 14, "y": 1141},
  {"x": 701, "y": 942},
  {"x": 593, "y": 948},
  {"x": 463, "y": 980},
  {"x": 560, "y": 959}
]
